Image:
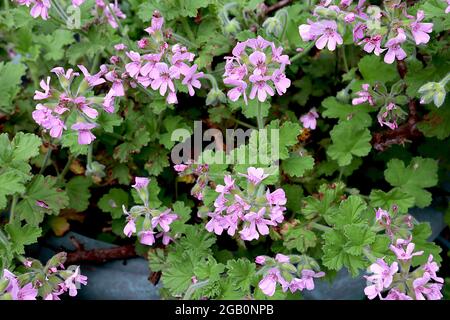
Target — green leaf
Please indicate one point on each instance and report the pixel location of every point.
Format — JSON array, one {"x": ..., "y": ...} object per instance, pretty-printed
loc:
[
  {"x": 421, "y": 234},
  {"x": 242, "y": 273},
  {"x": 359, "y": 115},
  {"x": 419, "y": 174},
  {"x": 78, "y": 192},
  {"x": 335, "y": 257},
  {"x": 113, "y": 201},
  {"x": 10, "y": 183},
  {"x": 54, "y": 43},
  {"x": 299, "y": 238},
  {"x": 22, "y": 235},
  {"x": 41, "y": 189},
  {"x": 374, "y": 69},
  {"x": 350, "y": 211},
  {"x": 210, "y": 270},
  {"x": 10, "y": 79},
  {"x": 385, "y": 200},
  {"x": 348, "y": 141},
  {"x": 436, "y": 123},
  {"x": 296, "y": 165},
  {"x": 358, "y": 236},
  {"x": 294, "y": 196}
]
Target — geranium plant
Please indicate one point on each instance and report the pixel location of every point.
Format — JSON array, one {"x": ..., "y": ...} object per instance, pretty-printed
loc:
[{"x": 245, "y": 149}]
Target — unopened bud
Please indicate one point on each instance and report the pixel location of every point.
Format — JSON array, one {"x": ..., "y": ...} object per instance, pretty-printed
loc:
[
  {"x": 273, "y": 26},
  {"x": 215, "y": 96}
]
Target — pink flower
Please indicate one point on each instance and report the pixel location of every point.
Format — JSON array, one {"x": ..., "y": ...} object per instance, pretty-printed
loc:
[
  {"x": 85, "y": 135},
  {"x": 305, "y": 32},
  {"x": 180, "y": 167},
  {"x": 216, "y": 224},
  {"x": 309, "y": 120},
  {"x": 373, "y": 290},
  {"x": 140, "y": 183},
  {"x": 258, "y": 44},
  {"x": 130, "y": 227},
  {"x": 164, "y": 220},
  {"x": 280, "y": 81},
  {"x": 191, "y": 79},
  {"x": 77, "y": 3},
  {"x": 67, "y": 75},
  {"x": 113, "y": 7},
  {"x": 27, "y": 292},
  {"x": 278, "y": 56},
  {"x": 239, "y": 89},
  {"x": 260, "y": 260},
  {"x": 420, "y": 30},
  {"x": 260, "y": 87},
  {"x": 148, "y": 69},
  {"x": 431, "y": 268},
  {"x": 134, "y": 67},
  {"x": 120, "y": 47},
  {"x": 40, "y": 8},
  {"x": 373, "y": 44},
  {"x": 82, "y": 104},
  {"x": 327, "y": 30},
  {"x": 380, "y": 214},
  {"x": 72, "y": 281},
  {"x": 358, "y": 31},
  {"x": 147, "y": 237},
  {"x": 308, "y": 278},
  {"x": 269, "y": 282},
  {"x": 258, "y": 60},
  {"x": 383, "y": 273},
  {"x": 396, "y": 294},
  {"x": 257, "y": 223},
  {"x": 92, "y": 80},
  {"x": 229, "y": 185},
  {"x": 46, "y": 87},
  {"x": 255, "y": 175},
  {"x": 395, "y": 51},
  {"x": 278, "y": 197},
  {"x": 165, "y": 238},
  {"x": 156, "y": 24},
  {"x": 364, "y": 96},
  {"x": 407, "y": 254},
  {"x": 282, "y": 258},
  {"x": 163, "y": 79}
]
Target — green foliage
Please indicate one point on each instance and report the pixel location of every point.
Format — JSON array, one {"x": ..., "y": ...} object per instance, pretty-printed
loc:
[
  {"x": 10, "y": 80},
  {"x": 413, "y": 179}
]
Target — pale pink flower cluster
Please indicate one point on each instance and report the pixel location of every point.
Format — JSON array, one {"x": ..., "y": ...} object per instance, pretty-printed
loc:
[
  {"x": 163, "y": 67},
  {"x": 292, "y": 281},
  {"x": 256, "y": 69},
  {"x": 109, "y": 10},
  {"x": 61, "y": 281},
  {"x": 393, "y": 224},
  {"x": 251, "y": 211},
  {"x": 368, "y": 28},
  {"x": 155, "y": 224},
  {"x": 56, "y": 105},
  {"x": 39, "y": 8},
  {"x": 200, "y": 171},
  {"x": 399, "y": 282}
]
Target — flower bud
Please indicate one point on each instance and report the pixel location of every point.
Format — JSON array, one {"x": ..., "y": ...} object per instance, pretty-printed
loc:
[
  {"x": 432, "y": 91},
  {"x": 95, "y": 169},
  {"x": 232, "y": 27},
  {"x": 215, "y": 96},
  {"x": 343, "y": 96},
  {"x": 273, "y": 26}
]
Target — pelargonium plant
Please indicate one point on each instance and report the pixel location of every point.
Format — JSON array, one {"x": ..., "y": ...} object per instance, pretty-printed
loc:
[{"x": 240, "y": 149}]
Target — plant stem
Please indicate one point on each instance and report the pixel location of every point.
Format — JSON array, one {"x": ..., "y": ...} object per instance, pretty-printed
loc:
[
  {"x": 344, "y": 58},
  {"x": 6, "y": 4},
  {"x": 193, "y": 287},
  {"x": 211, "y": 79},
  {"x": 259, "y": 117},
  {"x": 369, "y": 255},
  {"x": 187, "y": 28},
  {"x": 183, "y": 40},
  {"x": 66, "y": 168},
  {"x": 320, "y": 227},
  {"x": 13, "y": 208},
  {"x": 304, "y": 52},
  {"x": 242, "y": 123},
  {"x": 44, "y": 163}
]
